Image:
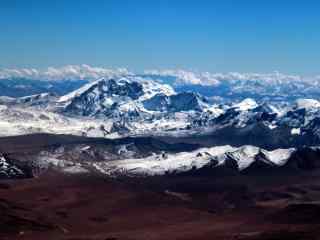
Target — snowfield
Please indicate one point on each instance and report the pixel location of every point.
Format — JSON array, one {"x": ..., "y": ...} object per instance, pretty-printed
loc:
[{"x": 20, "y": 121}]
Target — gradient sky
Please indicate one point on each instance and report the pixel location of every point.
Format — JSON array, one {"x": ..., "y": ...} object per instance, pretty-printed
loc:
[{"x": 216, "y": 35}]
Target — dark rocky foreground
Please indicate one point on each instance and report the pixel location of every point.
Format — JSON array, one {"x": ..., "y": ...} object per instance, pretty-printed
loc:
[
  {"x": 59, "y": 206},
  {"x": 269, "y": 205}
]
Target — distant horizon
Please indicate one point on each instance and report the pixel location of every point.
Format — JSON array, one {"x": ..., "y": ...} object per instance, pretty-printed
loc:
[
  {"x": 213, "y": 36},
  {"x": 189, "y": 77}
]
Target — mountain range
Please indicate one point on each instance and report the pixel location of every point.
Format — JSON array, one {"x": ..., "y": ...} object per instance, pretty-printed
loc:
[{"x": 242, "y": 133}]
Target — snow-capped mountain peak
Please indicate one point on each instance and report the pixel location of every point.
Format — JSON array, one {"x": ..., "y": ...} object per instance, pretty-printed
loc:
[
  {"x": 245, "y": 105},
  {"x": 106, "y": 97},
  {"x": 131, "y": 96},
  {"x": 307, "y": 103},
  {"x": 80, "y": 91}
]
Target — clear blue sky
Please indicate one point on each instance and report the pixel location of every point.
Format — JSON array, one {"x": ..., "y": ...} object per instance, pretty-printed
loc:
[{"x": 216, "y": 35}]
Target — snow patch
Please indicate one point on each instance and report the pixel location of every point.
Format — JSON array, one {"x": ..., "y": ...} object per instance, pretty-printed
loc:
[{"x": 295, "y": 131}]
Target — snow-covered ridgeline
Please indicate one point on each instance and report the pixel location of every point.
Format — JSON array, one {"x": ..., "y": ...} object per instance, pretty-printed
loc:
[{"x": 185, "y": 161}]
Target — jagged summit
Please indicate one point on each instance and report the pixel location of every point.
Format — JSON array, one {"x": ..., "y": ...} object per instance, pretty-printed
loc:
[{"x": 131, "y": 96}]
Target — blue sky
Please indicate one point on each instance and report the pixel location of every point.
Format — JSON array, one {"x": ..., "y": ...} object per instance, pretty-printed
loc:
[{"x": 216, "y": 35}]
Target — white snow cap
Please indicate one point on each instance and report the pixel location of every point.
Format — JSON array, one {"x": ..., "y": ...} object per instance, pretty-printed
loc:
[
  {"x": 246, "y": 104},
  {"x": 79, "y": 91},
  {"x": 307, "y": 103}
]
